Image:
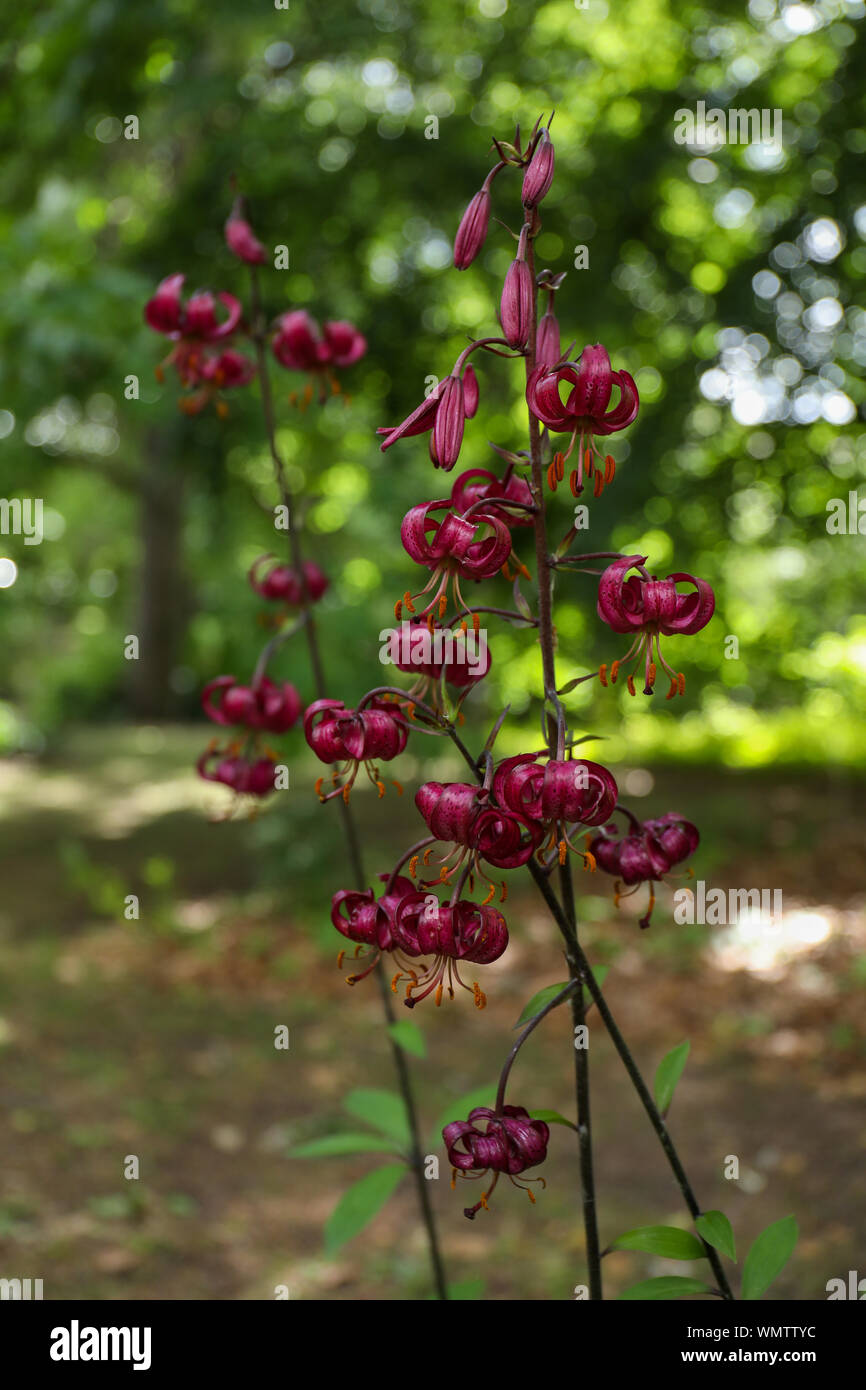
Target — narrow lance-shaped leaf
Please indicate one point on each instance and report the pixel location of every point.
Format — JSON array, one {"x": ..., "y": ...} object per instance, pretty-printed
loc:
[
  {"x": 717, "y": 1231},
  {"x": 670, "y": 1069},
  {"x": 360, "y": 1204},
  {"x": 382, "y": 1109},
  {"x": 768, "y": 1256},
  {"x": 669, "y": 1242}
]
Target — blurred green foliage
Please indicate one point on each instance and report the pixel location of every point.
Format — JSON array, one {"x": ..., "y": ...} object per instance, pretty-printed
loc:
[{"x": 726, "y": 280}]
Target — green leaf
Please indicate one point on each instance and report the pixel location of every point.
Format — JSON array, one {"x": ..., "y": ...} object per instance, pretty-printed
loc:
[
  {"x": 360, "y": 1204},
  {"x": 381, "y": 1109},
  {"x": 408, "y": 1036},
  {"x": 717, "y": 1231},
  {"x": 551, "y": 1117},
  {"x": 668, "y": 1241},
  {"x": 544, "y": 996},
  {"x": 668, "y": 1286},
  {"x": 459, "y": 1109},
  {"x": 334, "y": 1144},
  {"x": 670, "y": 1069},
  {"x": 768, "y": 1256}
]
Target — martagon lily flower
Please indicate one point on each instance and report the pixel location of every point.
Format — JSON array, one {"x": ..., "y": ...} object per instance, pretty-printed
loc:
[
  {"x": 472, "y": 547},
  {"x": 354, "y": 738},
  {"x": 450, "y": 933},
  {"x": 586, "y": 411},
  {"x": 649, "y": 608},
  {"x": 300, "y": 346},
  {"x": 195, "y": 328},
  {"x": 557, "y": 794},
  {"x": 509, "y": 1142},
  {"x": 263, "y": 705},
  {"x": 369, "y": 921},
  {"x": 283, "y": 584},
  {"x": 645, "y": 854}
]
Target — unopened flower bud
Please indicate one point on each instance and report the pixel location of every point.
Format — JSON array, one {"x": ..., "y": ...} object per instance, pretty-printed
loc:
[
  {"x": 472, "y": 232},
  {"x": 539, "y": 172}
]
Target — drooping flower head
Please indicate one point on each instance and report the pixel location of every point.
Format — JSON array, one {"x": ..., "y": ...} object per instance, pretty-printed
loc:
[
  {"x": 650, "y": 608},
  {"x": 586, "y": 411},
  {"x": 558, "y": 795},
  {"x": 367, "y": 920},
  {"x": 480, "y": 485},
  {"x": 453, "y": 548},
  {"x": 262, "y": 705},
  {"x": 283, "y": 584},
  {"x": 479, "y": 831},
  {"x": 438, "y": 656},
  {"x": 646, "y": 853},
  {"x": 243, "y": 774},
  {"x": 449, "y": 933},
  {"x": 301, "y": 346},
  {"x": 354, "y": 738},
  {"x": 196, "y": 327},
  {"x": 505, "y": 1141}
]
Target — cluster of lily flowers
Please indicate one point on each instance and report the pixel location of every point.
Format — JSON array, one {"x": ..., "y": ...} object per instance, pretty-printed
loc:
[
  {"x": 205, "y": 326},
  {"x": 534, "y": 805}
]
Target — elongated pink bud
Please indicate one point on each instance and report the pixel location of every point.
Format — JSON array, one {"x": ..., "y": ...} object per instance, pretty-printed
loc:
[
  {"x": 515, "y": 309},
  {"x": 448, "y": 425},
  {"x": 472, "y": 232},
  {"x": 539, "y": 172},
  {"x": 243, "y": 242},
  {"x": 547, "y": 342},
  {"x": 470, "y": 392}
]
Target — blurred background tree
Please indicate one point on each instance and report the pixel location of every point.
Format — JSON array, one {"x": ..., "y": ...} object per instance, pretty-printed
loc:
[{"x": 726, "y": 280}]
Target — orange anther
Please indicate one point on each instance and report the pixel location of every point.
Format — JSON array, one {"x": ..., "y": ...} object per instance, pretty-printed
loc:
[
  {"x": 614, "y": 671},
  {"x": 503, "y": 896},
  {"x": 681, "y": 683},
  {"x": 476, "y": 623},
  {"x": 464, "y": 627},
  {"x": 490, "y": 894},
  {"x": 597, "y": 484},
  {"x": 530, "y": 1194},
  {"x": 559, "y": 466},
  {"x": 651, "y": 675},
  {"x": 551, "y": 477},
  {"x": 398, "y": 785},
  {"x": 572, "y": 483},
  {"x": 479, "y": 996},
  {"x": 413, "y": 864},
  {"x": 587, "y": 462},
  {"x": 506, "y": 572},
  {"x": 609, "y": 468},
  {"x": 407, "y": 599},
  {"x": 380, "y": 787},
  {"x": 427, "y": 854},
  {"x": 602, "y": 673},
  {"x": 431, "y": 622},
  {"x": 439, "y": 994},
  {"x": 340, "y": 960},
  {"x": 630, "y": 684},
  {"x": 590, "y": 862},
  {"x": 443, "y": 604},
  {"x": 346, "y": 792},
  {"x": 563, "y": 851},
  {"x": 395, "y": 982},
  {"x": 673, "y": 690},
  {"x": 398, "y": 610}
]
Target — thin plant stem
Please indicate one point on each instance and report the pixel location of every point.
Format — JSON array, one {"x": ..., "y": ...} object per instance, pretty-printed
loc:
[
  {"x": 546, "y": 639},
  {"x": 349, "y": 827}
]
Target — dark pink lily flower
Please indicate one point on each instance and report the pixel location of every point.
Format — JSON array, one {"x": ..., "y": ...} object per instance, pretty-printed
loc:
[
  {"x": 574, "y": 790},
  {"x": 650, "y": 607},
  {"x": 518, "y": 298},
  {"x": 462, "y": 814},
  {"x": 453, "y": 932},
  {"x": 480, "y": 485},
  {"x": 166, "y": 313},
  {"x": 247, "y": 777},
  {"x": 498, "y": 1141},
  {"x": 264, "y": 705},
  {"x": 354, "y": 738},
  {"x": 412, "y": 648},
  {"x": 474, "y": 547},
  {"x": 300, "y": 346},
  {"x": 283, "y": 583},
  {"x": 369, "y": 921},
  {"x": 646, "y": 853},
  {"x": 587, "y": 411},
  {"x": 539, "y": 172}
]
